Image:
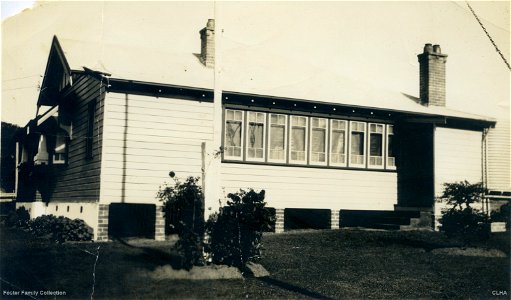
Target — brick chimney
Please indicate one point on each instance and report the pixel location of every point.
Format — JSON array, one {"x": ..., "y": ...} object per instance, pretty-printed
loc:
[
  {"x": 432, "y": 75},
  {"x": 207, "y": 36}
]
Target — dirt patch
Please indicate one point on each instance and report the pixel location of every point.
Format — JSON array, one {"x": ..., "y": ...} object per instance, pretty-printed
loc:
[
  {"x": 196, "y": 273},
  {"x": 469, "y": 252}
]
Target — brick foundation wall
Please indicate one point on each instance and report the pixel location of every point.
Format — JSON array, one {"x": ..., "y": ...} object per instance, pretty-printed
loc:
[
  {"x": 334, "y": 219},
  {"x": 279, "y": 220},
  {"x": 102, "y": 231},
  {"x": 159, "y": 224}
]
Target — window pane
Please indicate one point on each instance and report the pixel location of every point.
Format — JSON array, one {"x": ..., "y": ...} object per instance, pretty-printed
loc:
[
  {"x": 233, "y": 138},
  {"x": 375, "y": 145},
  {"x": 357, "y": 143},
  {"x": 390, "y": 140},
  {"x": 298, "y": 143},
  {"x": 255, "y": 140},
  {"x": 277, "y": 136},
  {"x": 318, "y": 147}
]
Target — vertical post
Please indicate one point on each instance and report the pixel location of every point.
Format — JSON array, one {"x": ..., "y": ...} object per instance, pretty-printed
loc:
[
  {"x": 213, "y": 171},
  {"x": 159, "y": 224},
  {"x": 16, "y": 170},
  {"x": 334, "y": 219},
  {"x": 279, "y": 220},
  {"x": 101, "y": 233}
]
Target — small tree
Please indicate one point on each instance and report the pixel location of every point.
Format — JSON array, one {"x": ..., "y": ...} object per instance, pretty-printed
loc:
[
  {"x": 235, "y": 233},
  {"x": 461, "y": 219},
  {"x": 186, "y": 199}
]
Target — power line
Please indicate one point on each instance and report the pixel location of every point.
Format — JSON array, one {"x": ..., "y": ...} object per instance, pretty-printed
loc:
[
  {"x": 20, "y": 88},
  {"x": 488, "y": 35},
  {"x": 486, "y": 20},
  {"x": 5, "y": 80}
]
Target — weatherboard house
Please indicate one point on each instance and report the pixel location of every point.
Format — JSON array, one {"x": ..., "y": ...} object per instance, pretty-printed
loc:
[{"x": 328, "y": 151}]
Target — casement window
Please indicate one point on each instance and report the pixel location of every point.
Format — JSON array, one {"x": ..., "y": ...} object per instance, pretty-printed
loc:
[
  {"x": 41, "y": 158},
  {"x": 338, "y": 138},
  {"x": 233, "y": 134},
  {"x": 376, "y": 145},
  {"x": 266, "y": 137},
  {"x": 89, "y": 140},
  {"x": 60, "y": 150},
  {"x": 318, "y": 138},
  {"x": 357, "y": 144},
  {"x": 256, "y": 136},
  {"x": 391, "y": 159},
  {"x": 298, "y": 148},
  {"x": 277, "y": 138}
]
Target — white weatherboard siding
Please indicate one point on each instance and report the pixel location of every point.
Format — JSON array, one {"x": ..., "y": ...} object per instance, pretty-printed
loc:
[
  {"x": 498, "y": 156},
  {"x": 299, "y": 187},
  {"x": 457, "y": 158},
  {"x": 158, "y": 136}
]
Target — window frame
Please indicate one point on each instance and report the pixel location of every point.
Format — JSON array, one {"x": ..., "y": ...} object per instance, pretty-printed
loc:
[
  {"x": 247, "y": 136},
  {"x": 383, "y": 144},
  {"x": 364, "y": 150},
  {"x": 306, "y": 138},
  {"x": 66, "y": 152},
  {"x": 224, "y": 137},
  {"x": 311, "y": 129},
  {"x": 285, "y": 150},
  {"x": 387, "y": 157},
  {"x": 330, "y": 152}
]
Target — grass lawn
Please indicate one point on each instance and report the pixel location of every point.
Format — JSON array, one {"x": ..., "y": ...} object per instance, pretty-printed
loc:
[{"x": 319, "y": 264}]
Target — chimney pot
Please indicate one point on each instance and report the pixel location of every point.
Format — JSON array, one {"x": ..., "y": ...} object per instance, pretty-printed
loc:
[
  {"x": 428, "y": 48},
  {"x": 211, "y": 24},
  {"x": 436, "y": 49}
]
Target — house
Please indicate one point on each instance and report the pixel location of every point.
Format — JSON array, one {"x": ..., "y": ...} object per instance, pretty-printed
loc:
[{"x": 320, "y": 144}]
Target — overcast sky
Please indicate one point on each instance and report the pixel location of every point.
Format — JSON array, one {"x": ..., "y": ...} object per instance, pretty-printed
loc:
[{"x": 475, "y": 71}]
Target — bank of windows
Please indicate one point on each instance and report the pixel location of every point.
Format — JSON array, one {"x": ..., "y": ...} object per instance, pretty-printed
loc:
[{"x": 279, "y": 138}]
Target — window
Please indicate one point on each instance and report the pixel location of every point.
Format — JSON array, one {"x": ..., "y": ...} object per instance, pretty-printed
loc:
[
  {"x": 391, "y": 159},
  {"x": 357, "y": 144},
  {"x": 90, "y": 130},
  {"x": 298, "y": 153},
  {"x": 278, "y": 137},
  {"x": 233, "y": 133},
  {"x": 376, "y": 145},
  {"x": 41, "y": 158},
  {"x": 338, "y": 142},
  {"x": 255, "y": 135},
  {"x": 318, "y": 141},
  {"x": 60, "y": 151}
]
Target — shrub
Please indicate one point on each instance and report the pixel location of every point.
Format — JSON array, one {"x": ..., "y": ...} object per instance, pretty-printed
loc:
[
  {"x": 18, "y": 218},
  {"x": 185, "y": 199},
  {"x": 61, "y": 229},
  {"x": 235, "y": 233},
  {"x": 461, "y": 220}
]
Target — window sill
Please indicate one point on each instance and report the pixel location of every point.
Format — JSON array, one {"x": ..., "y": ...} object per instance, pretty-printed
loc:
[{"x": 229, "y": 161}]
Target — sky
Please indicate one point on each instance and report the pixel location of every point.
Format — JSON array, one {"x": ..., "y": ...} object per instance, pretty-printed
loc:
[
  {"x": 10, "y": 8},
  {"x": 478, "y": 80}
]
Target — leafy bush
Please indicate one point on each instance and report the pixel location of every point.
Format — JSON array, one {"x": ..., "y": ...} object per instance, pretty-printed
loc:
[
  {"x": 461, "y": 220},
  {"x": 185, "y": 199},
  {"x": 235, "y": 233},
  {"x": 18, "y": 218},
  {"x": 61, "y": 229}
]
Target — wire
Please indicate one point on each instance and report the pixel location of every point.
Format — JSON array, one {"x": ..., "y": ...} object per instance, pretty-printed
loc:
[
  {"x": 488, "y": 35},
  {"x": 20, "y": 88},
  {"x": 5, "y": 80}
]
